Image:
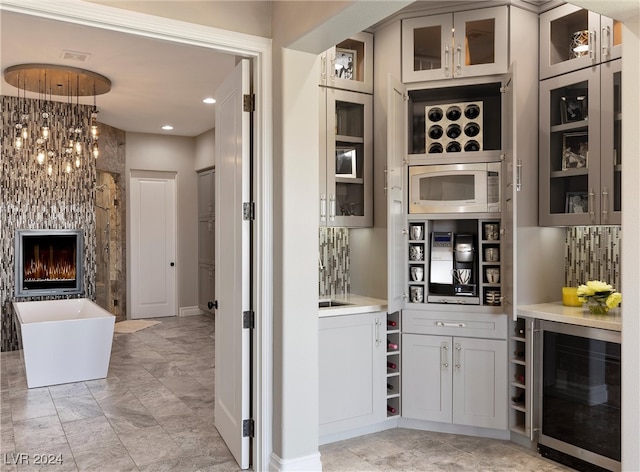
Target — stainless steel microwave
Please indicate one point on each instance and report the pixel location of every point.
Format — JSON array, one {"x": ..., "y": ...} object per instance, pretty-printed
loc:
[{"x": 455, "y": 188}]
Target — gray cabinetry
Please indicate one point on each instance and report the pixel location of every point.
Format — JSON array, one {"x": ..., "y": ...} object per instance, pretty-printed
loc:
[
  {"x": 206, "y": 239},
  {"x": 352, "y": 372},
  {"x": 349, "y": 64},
  {"x": 580, "y": 151},
  {"x": 573, "y": 38},
  {"x": 461, "y": 44},
  {"x": 346, "y": 158},
  {"x": 455, "y": 380}
]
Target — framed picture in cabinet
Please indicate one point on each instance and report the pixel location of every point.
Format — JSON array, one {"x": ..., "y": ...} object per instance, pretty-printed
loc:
[
  {"x": 575, "y": 150},
  {"x": 573, "y": 108},
  {"x": 577, "y": 202},
  {"x": 345, "y": 63},
  {"x": 346, "y": 162}
]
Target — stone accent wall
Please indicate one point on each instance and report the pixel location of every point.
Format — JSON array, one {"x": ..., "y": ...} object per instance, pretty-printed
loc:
[
  {"x": 32, "y": 199},
  {"x": 593, "y": 253},
  {"x": 334, "y": 256}
]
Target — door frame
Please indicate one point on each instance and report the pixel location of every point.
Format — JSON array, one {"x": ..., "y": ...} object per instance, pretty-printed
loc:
[{"x": 257, "y": 49}]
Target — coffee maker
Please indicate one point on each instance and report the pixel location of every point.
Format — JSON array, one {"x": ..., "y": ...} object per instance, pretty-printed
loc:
[
  {"x": 465, "y": 266},
  {"x": 453, "y": 269}
]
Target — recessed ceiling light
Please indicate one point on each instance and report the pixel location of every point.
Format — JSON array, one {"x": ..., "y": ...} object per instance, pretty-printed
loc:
[
  {"x": 209, "y": 100},
  {"x": 167, "y": 127}
]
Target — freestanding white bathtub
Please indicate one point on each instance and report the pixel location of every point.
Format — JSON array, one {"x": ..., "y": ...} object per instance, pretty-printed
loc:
[{"x": 64, "y": 341}]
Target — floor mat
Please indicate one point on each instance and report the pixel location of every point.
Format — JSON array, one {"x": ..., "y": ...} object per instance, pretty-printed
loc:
[{"x": 131, "y": 326}]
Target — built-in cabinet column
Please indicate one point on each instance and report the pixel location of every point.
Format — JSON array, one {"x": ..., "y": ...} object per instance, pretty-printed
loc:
[{"x": 206, "y": 240}]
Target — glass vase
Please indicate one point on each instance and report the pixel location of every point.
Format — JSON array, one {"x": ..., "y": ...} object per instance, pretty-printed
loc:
[{"x": 597, "y": 307}]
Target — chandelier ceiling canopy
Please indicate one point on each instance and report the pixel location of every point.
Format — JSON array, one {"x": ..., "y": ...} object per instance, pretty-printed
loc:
[{"x": 50, "y": 79}]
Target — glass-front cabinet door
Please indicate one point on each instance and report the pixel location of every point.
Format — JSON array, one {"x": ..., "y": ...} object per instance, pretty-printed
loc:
[
  {"x": 347, "y": 199},
  {"x": 461, "y": 44},
  {"x": 570, "y": 149},
  {"x": 611, "y": 151},
  {"x": 349, "y": 64},
  {"x": 572, "y": 38}
]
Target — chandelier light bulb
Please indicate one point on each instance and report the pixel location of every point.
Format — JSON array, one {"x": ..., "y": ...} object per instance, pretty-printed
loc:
[
  {"x": 40, "y": 156},
  {"x": 18, "y": 142},
  {"x": 95, "y": 151},
  {"x": 49, "y": 169},
  {"x": 68, "y": 167},
  {"x": 78, "y": 147},
  {"x": 45, "y": 131},
  {"x": 77, "y": 162},
  {"x": 25, "y": 133}
]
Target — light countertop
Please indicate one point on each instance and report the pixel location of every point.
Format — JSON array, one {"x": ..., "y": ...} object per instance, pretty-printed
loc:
[
  {"x": 356, "y": 304},
  {"x": 556, "y": 311}
]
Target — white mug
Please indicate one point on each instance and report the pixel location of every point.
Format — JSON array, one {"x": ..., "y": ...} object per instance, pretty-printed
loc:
[
  {"x": 415, "y": 232},
  {"x": 493, "y": 275},
  {"x": 491, "y": 254},
  {"x": 416, "y": 294},
  {"x": 417, "y": 273},
  {"x": 416, "y": 253}
]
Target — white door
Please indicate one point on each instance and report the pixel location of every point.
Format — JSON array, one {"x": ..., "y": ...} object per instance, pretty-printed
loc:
[
  {"x": 153, "y": 244},
  {"x": 233, "y": 262}
]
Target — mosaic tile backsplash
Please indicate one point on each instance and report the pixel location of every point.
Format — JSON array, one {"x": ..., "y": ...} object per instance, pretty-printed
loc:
[
  {"x": 333, "y": 263},
  {"x": 593, "y": 253},
  {"x": 31, "y": 199}
]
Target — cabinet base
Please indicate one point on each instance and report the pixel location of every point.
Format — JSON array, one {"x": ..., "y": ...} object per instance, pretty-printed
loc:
[{"x": 454, "y": 429}]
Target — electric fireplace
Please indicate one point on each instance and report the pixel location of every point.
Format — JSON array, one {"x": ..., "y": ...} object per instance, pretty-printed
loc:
[{"x": 48, "y": 262}]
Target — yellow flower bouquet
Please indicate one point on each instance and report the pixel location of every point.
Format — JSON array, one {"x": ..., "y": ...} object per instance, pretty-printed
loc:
[{"x": 599, "y": 296}]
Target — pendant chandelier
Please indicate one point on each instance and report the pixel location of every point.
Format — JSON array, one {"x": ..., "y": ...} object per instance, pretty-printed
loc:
[{"x": 59, "y": 135}]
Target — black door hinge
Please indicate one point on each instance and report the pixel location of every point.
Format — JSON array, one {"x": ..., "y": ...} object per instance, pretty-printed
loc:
[
  {"x": 249, "y": 102},
  {"x": 248, "y": 211},
  {"x": 248, "y": 319},
  {"x": 247, "y": 428}
]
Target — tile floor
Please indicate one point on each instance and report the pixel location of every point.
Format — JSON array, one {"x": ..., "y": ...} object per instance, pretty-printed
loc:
[{"x": 154, "y": 412}]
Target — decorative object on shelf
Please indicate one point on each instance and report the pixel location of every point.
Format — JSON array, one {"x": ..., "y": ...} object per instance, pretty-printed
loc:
[
  {"x": 415, "y": 232},
  {"x": 346, "y": 162},
  {"x": 59, "y": 135},
  {"x": 599, "y": 297},
  {"x": 417, "y": 294},
  {"x": 573, "y": 107},
  {"x": 491, "y": 231},
  {"x": 575, "y": 150},
  {"x": 416, "y": 253},
  {"x": 454, "y": 127},
  {"x": 579, "y": 45},
  {"x": 570, "y": 296},
  {"x": 345, "y": 63},
  {"x": 577, "y": 202},
  {"x": 417, "y": 273}
]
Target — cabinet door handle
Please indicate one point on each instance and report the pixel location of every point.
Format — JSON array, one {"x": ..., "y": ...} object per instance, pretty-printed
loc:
[
  {"x": 458, "y": 355},
  {"x": 519, "y": 176},
  {"x": 459, "y": 65},
  {"x": 444, "y": 353},
  {"x": 332, "y": 207},
  {"x": 605, "y": 204},
  {"x": 592, "y": 213},
  {"x": 323, "y": 207},
  {"x": 606, "y": 33},
  {"x": 332, "y": 75},
  {"x": 446, "y": 61},
  {"x": 592, "y": 42},
  {"x": 378, "y": 340}
]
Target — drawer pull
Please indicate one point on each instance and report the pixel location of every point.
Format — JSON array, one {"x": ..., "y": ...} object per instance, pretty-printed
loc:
[{"x": 451, "y": 325}]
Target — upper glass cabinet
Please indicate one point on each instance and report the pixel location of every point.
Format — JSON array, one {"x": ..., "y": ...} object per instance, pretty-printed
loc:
[
  {"x": 461, "y": 44},
  {"x": 572, "y": 38},
  {"x": 349, "y": 64}
]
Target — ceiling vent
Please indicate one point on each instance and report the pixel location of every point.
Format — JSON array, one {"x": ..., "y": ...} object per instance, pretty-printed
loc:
[{"x": 75, "y": 56}]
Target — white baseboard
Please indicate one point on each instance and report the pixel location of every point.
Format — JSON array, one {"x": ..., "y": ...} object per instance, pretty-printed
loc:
[
  {"x": 309, "y": 463},
  {"x": 189, "y": 311},
  {"x": 389, "y": 423}
]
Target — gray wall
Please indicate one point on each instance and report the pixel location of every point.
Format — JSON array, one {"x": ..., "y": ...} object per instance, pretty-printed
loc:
[{"x": 173, "y": 154}]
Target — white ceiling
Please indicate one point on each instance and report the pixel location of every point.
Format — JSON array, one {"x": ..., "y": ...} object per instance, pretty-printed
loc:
[{"x": 154, "y": 82}]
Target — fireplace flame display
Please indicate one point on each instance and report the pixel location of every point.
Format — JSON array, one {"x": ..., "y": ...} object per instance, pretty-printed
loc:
[{"x": 49, "y": 262}]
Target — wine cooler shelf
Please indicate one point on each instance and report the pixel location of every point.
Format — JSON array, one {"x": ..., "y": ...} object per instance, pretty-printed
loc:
[
  {"x": 393, "y": 377},
  {"x": 454, "y": 261}
]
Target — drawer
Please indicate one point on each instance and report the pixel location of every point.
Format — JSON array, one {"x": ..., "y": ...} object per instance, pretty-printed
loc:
[{"x": 477, "y": 325}]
